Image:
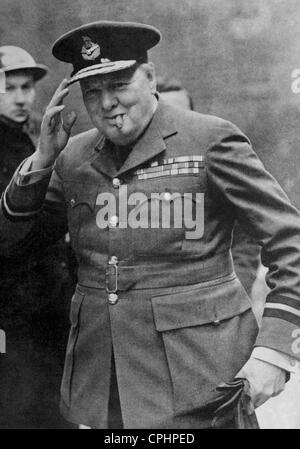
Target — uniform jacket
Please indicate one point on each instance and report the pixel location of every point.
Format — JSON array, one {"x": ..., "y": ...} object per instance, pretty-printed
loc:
[
  {"x": 246, "y": 258},
  {"x": 15, "y": 146},
  {"x": 171, "y": 307}
]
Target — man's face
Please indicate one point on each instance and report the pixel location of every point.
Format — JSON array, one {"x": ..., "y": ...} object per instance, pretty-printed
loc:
[
  {"x": 178, "y": 98},
  {"x": 18, "y": 100},
  {"x": 121, "y": 104}
]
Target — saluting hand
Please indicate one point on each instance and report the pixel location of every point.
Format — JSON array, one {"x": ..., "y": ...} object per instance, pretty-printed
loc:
[{"x": 55, "y": 130}]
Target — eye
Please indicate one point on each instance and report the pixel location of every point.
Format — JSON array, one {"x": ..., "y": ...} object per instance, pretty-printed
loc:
[
  {"x": 91, "y": 92},
  {"x": 27, "y": 87},
  {"x": 120, "y": 85}
]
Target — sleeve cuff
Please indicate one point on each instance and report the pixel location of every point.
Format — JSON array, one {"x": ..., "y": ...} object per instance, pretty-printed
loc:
[
  {"x": 22, "y": 200},
  {"x": 277, "y": 358},
  {"x": 26, "y": 176},
  {"x": 15, "y": 214}
]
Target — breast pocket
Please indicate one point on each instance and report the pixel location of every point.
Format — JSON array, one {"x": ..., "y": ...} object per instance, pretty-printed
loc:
[
  {"x": 81, "y": 201},
  {"x": 159, "y": 230},
  {"x": 167, "y": 210},
  {"x": 208, "y": 333}
]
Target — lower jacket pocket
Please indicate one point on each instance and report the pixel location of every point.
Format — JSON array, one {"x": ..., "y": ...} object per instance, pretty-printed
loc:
[{"x": 208, "y": 334}]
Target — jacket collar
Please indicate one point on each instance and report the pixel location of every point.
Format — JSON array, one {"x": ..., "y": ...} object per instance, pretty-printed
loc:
[
  {"x": 147, "y": 147},
  {"x": 104, "y": 161},
  {"x": 12, "y": 124}
]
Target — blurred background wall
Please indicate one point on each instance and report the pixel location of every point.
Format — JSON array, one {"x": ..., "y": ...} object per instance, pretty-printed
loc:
[{"x": 236, "y": 58}]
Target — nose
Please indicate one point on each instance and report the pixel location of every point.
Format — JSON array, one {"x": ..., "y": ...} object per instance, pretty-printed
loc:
[
  {"x": 108, "y": 100},
  {"x": 19, "y": 96}
]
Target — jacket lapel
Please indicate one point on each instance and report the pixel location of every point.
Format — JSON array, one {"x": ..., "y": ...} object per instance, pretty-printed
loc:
[{"x": 104, "y": 161}]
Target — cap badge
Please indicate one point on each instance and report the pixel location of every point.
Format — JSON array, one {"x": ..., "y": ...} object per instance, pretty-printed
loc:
[{"x": 90, "y": 50}]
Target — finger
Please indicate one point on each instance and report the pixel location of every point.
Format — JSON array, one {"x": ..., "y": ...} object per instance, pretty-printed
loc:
[
  {"x": 52, "y": 116},
  {"x": 59, "y": 94},
  {"x": 62, "y": 85},
  {"x": 259, "y": 400},
  {"x": 260, "y": 397},
  {"x": 69, "y": 122},
  {"x": 58, "y": 97},
  {"x": 256, "y": 398}
]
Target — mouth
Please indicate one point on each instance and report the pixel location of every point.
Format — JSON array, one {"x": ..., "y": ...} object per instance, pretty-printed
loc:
[
  {"x": 21, "y": 112},
  {"x": 116, "y": 120}
]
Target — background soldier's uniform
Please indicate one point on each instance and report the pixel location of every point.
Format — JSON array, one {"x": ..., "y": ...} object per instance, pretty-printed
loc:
[
  {"x": 179, "y": 321},
  {"x": 35, "y": 293}
]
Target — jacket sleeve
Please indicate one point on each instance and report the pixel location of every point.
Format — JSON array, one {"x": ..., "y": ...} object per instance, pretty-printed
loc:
[
  {"x": 266, "y": 212},
  {"x": 246, "y": 257},
  {"x": 32, "y": 215}
]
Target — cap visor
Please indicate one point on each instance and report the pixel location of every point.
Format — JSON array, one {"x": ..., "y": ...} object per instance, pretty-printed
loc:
[{"x": 101, "y": 69}]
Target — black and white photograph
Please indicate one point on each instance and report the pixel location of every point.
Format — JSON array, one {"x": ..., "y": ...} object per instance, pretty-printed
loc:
[{"x": 150, "y": 217}]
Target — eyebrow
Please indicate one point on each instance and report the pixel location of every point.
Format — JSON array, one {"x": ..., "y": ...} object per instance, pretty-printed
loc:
[{"x": 11, "y": 84}]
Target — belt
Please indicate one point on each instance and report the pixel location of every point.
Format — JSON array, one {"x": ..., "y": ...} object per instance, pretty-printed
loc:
[{"x": 155, "y": 274}]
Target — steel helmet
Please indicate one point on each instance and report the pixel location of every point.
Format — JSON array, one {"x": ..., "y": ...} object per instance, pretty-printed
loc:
[{"x": 15, "y": 58}]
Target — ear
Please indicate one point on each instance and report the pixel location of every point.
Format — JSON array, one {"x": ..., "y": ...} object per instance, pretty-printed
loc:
[{"x": 150, "y": 73}]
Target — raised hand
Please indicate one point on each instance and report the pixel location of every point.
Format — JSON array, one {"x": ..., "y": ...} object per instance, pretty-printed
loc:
[{"x": 55, "y": 130}]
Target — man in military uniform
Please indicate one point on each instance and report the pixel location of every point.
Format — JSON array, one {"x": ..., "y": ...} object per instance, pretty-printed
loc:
[
  {"x": 150, "y": 197},
  {"x": 35, "y": 289}
]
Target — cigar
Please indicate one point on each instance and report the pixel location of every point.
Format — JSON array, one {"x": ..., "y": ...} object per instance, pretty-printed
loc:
[{"x": 119, "y": 121}]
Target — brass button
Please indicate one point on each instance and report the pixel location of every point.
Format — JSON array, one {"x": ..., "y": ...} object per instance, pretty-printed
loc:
[
  {"x": 216, "y": 322},
  {"x": 116, "y": 183},
  {"x": 113, "y": 221},
  {"x": 112, "y": 298},
  {"x": 167, "y": 196}
]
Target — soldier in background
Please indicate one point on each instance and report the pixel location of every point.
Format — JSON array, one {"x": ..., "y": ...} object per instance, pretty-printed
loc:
[
  {"x": 35, "y": 292},
  {"x": 245, "y": 251}
]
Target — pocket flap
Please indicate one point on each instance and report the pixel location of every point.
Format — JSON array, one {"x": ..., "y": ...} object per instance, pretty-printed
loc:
[
  {"x": 200, "y": 304},
  {"x": 80, "y": 194}
]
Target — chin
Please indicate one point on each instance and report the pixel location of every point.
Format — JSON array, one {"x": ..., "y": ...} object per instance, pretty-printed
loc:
[
  {"x": 20, "y": 119},
  {"x": 120, "y": 137}
]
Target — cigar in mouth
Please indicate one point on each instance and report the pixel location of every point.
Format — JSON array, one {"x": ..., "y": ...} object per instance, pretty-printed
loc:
[{"x": 119, "y": 121}]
